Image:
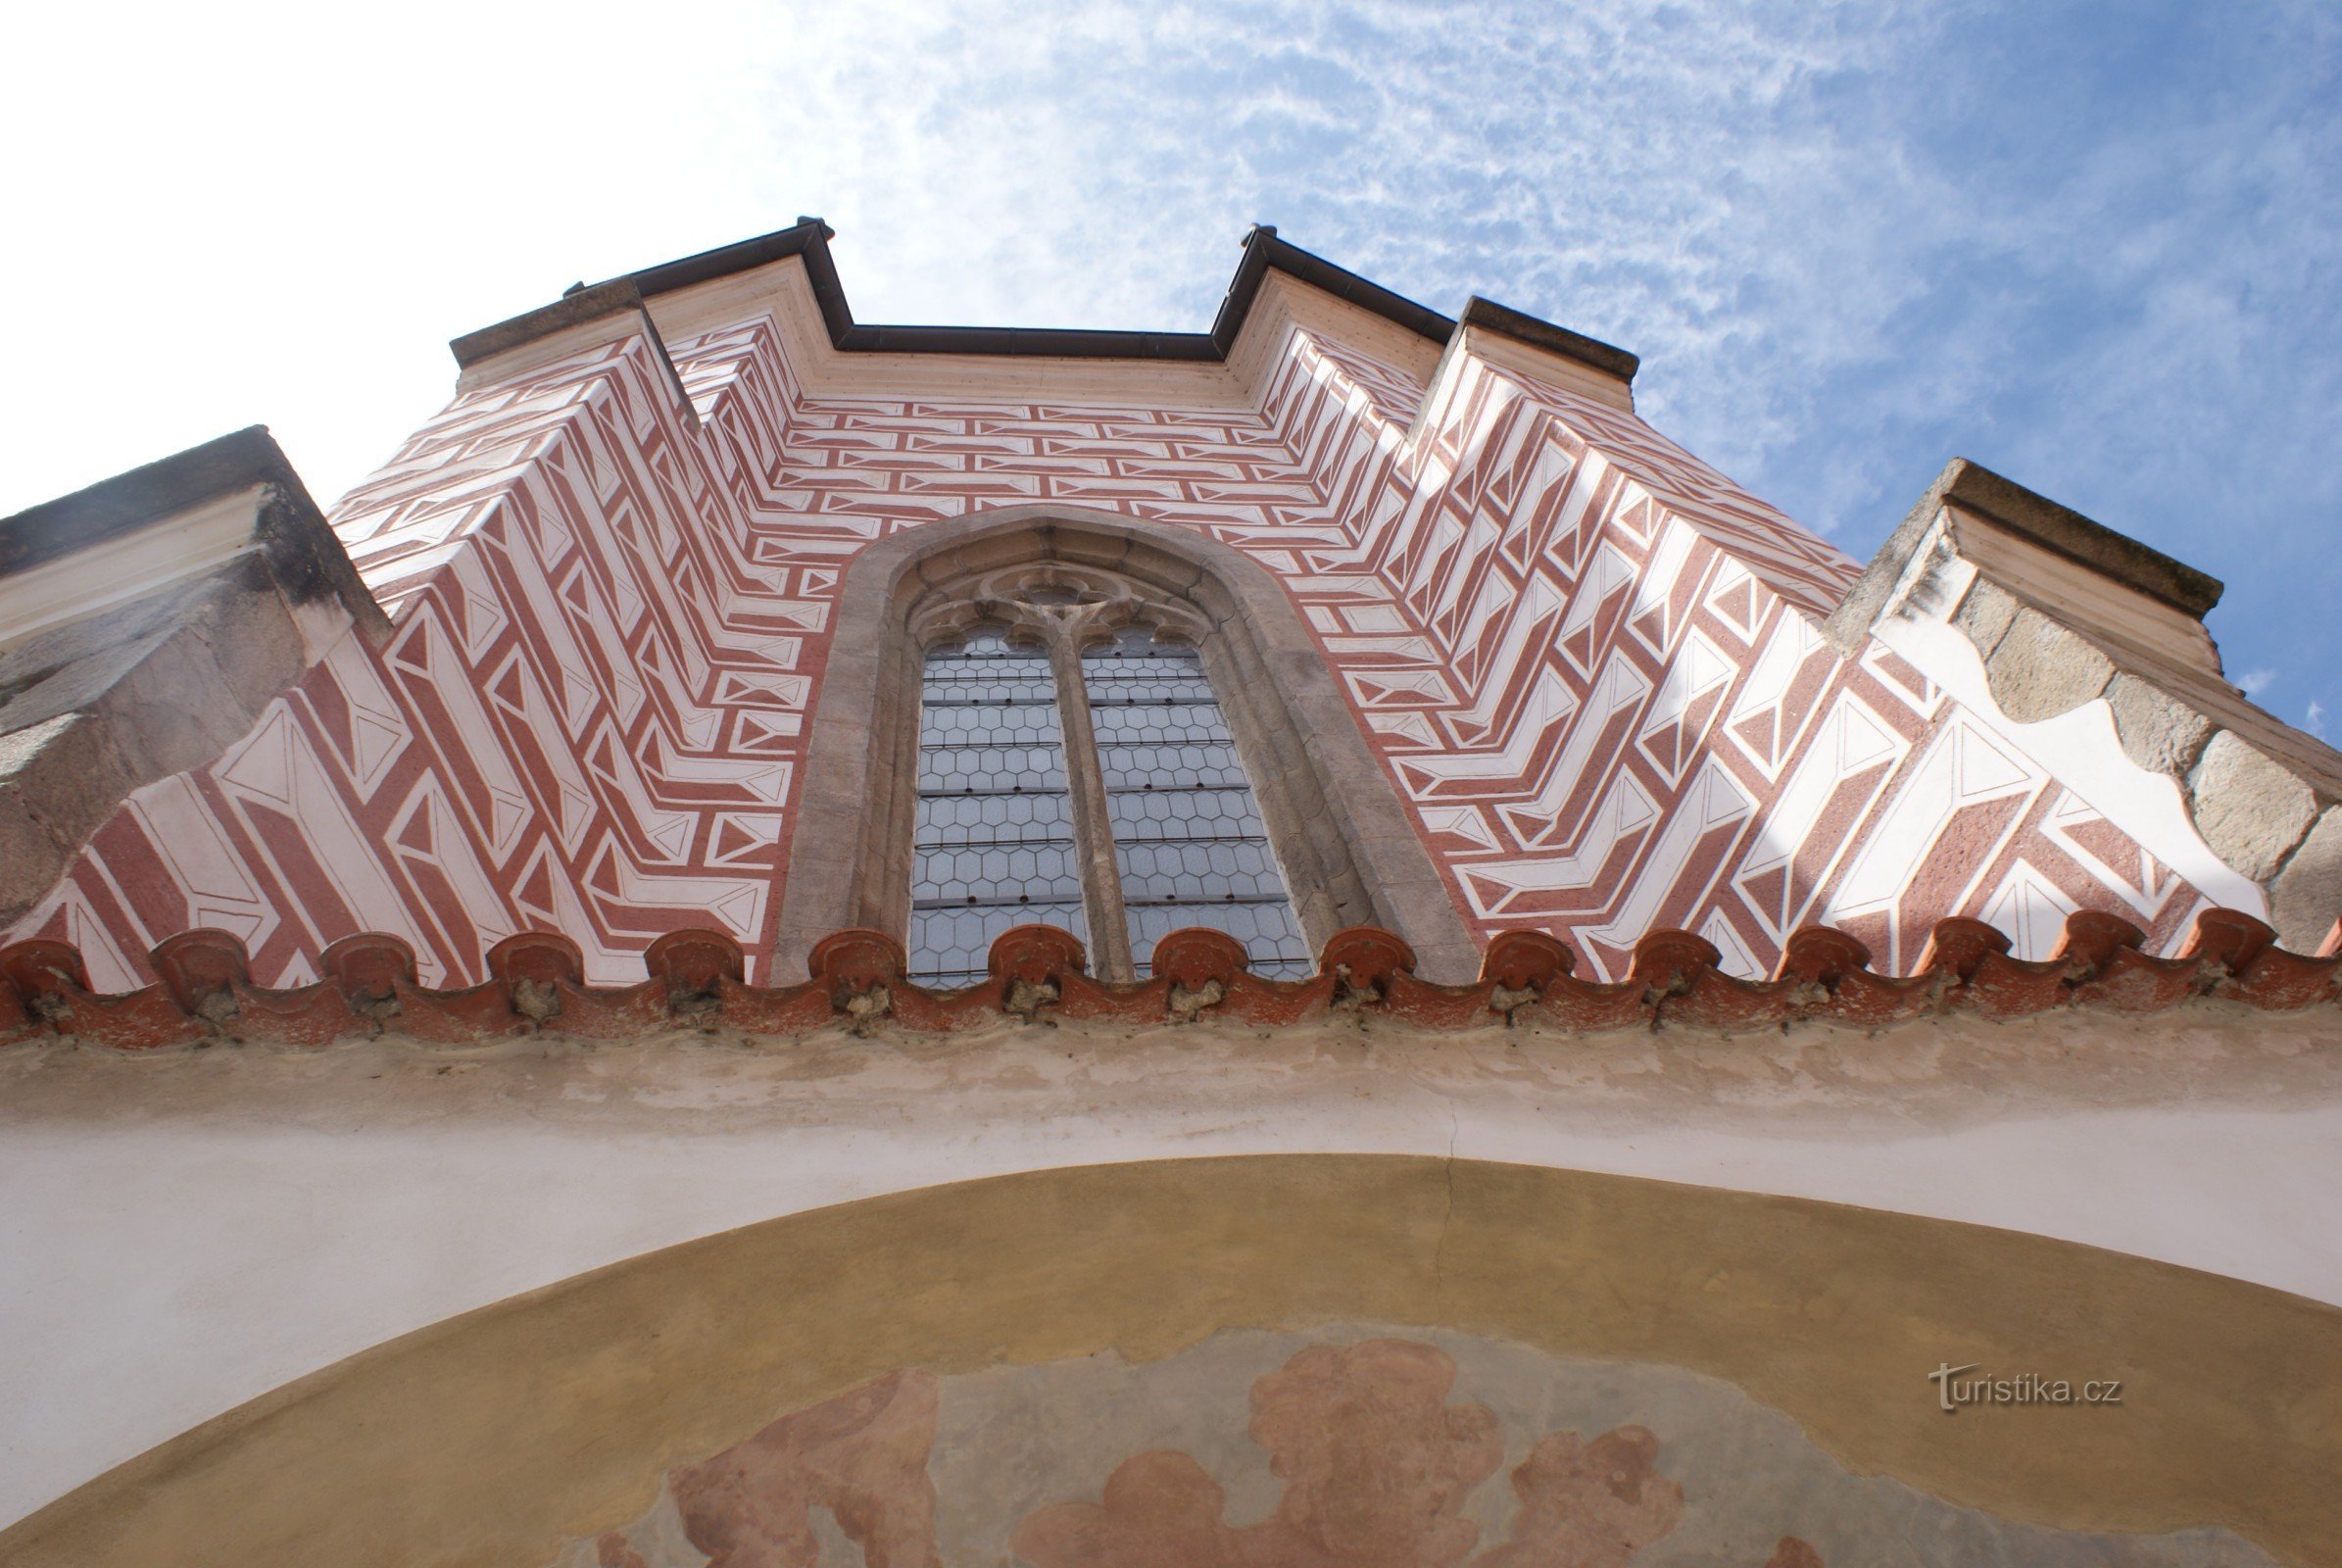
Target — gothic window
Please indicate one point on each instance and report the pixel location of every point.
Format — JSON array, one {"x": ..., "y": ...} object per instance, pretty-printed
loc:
[
  {"x": 1051, "y": 714},
  {"x": 1093, "y": 787}
]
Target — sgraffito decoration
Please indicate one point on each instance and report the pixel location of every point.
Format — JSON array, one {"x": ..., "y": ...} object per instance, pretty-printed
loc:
[
  {"x": 1339, "y": 1450},
  {"x": 1590, "y": 665}
]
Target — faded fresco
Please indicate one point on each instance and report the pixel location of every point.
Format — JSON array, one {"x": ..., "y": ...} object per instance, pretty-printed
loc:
[{"x": 1416, "y": 1449}]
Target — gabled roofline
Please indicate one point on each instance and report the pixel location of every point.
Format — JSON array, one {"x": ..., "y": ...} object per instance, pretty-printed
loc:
[{"x": 1264, "y": 252}]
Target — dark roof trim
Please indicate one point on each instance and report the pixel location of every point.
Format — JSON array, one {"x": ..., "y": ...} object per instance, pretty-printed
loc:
[
  {"x": 131, "y": 500},
  {"x": 1264, "y": 251},
  {"x": 808, "y": 238},
  {"x": 1540, "y": 334},
  {"x": 576, "y": 308},
  {"x": 2060, "y": 529},
  {"x": 301, "y": 548},
  {"x": 2078, "y": 538},
  {"x": 573, "y": 308}
]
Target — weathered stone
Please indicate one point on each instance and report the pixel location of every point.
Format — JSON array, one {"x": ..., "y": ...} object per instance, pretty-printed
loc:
[
  {"x": 68, "y": 773},
  {"x": 2306, "y": 899},
  {"x": 2159, "y": 733},
  {"x": 31, "y": 856},
  {"x": 252, "y": 639},
  {"x": 114, "y": 702},
  {"x": 175, "y": 709},
  {"x": 77, "y": 687},
  {"x": 1985, "y": 615},
  {"x": 58, "y": 781},
  {"x": 200, "y": 660},
  {"x": 2039, "y": 669},
  {"x": 128, "y": 692},
  {"x": 2249, "y": 810},
  {"x": 61, "y": 648}
]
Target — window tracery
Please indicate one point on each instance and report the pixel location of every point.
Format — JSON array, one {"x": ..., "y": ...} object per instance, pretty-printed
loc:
[{"x": 1076, "y": 767}]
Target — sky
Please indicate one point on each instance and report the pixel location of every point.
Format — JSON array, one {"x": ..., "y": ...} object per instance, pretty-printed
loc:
[{"x": 2093, "y": 247}]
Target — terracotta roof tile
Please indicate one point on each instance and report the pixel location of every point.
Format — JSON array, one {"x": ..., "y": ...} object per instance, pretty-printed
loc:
[{"x": 694, "y": 978}]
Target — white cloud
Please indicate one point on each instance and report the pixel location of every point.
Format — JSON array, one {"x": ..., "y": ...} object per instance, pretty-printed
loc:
[{"x": 281, "y": 214}]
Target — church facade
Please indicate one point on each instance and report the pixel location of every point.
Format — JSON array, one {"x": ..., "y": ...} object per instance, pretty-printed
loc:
[{"x": 1296, "y": 944}]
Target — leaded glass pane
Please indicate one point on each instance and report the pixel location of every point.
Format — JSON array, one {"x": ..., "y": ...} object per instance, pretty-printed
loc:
[
  {"x": 1188, "y": 833},
  {"x": 1263, "y": 928},
  {"x": 995, "y": 845}
]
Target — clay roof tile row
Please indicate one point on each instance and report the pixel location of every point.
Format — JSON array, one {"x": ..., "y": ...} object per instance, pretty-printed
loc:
[{"x": 205, "y": 995}]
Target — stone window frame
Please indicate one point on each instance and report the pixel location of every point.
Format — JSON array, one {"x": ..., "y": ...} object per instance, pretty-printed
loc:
[{"x": 1350, "y": 854}]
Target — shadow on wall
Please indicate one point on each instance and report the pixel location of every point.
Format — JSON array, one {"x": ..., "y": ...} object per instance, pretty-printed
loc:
[{"x": 1345, "y": 1446}]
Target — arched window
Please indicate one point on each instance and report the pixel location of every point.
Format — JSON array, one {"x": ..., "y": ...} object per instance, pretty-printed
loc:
[
  {"x": 1121, "y": 729},
  {"x": 1114, "y": 803}
]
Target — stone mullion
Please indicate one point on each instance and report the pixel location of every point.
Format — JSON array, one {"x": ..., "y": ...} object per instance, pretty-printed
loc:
[{"x": 1093, "y": 828}]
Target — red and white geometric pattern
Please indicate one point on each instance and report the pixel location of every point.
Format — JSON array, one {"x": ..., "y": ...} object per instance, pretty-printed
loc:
[{"x": 1589, "y": 663}]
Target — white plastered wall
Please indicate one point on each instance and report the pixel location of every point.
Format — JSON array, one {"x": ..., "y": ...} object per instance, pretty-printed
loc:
[{"x": 182, "y": 1234}]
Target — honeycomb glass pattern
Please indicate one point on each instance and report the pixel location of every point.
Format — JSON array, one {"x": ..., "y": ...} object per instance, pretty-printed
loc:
[
  {"x": 1188, "y": 833},
  {"x": 995, "y": 842}
]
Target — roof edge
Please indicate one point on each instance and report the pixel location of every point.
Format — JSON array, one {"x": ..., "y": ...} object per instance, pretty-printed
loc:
[
  {"x": 204, "y": 993},
  {"x": 302, "y": 549},
  {"x": 808, "y": 239},
  {"x": 573, "y": 308},
  {"x": 1522, "y": 327},
  {"x": 132, "y": 499},
  {"x": 2061, "y": 528}
]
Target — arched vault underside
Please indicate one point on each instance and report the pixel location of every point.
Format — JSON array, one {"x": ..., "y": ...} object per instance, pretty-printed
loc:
[{"x": 1096, "y": 1365}]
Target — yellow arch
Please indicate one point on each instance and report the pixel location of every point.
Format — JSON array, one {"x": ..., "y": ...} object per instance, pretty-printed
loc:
[{"x": 494, "y": 1436}]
